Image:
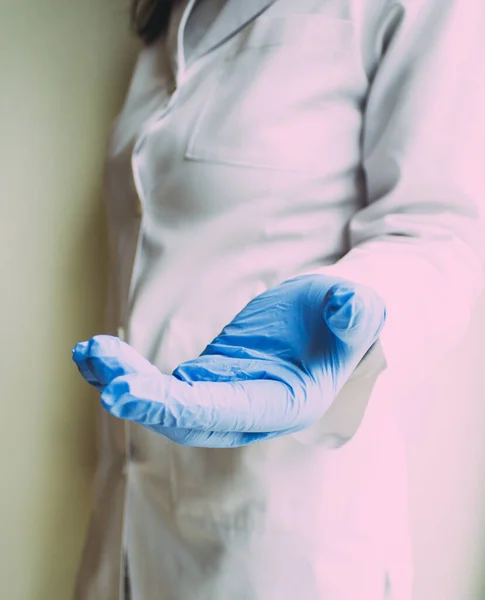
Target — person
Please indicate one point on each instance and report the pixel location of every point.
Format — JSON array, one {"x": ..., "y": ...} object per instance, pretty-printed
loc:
[{"x": 281, "y": 176}]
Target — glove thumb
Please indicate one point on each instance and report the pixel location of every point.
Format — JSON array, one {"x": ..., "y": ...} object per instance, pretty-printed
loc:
[{"x": 354, "y": 315}]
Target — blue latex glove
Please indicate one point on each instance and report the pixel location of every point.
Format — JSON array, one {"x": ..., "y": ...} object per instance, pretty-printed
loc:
[{"x": 275, "y": 369}]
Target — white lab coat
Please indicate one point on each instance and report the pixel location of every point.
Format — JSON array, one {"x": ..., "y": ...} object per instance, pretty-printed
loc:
[{"x": 338, "y": 136}]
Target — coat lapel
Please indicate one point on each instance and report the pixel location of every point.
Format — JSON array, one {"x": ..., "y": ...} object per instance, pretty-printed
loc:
[{"x": 232, "y": 17}]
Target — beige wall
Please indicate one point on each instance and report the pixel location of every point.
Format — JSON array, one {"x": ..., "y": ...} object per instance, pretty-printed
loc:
[{"x": 64, "y": 66}]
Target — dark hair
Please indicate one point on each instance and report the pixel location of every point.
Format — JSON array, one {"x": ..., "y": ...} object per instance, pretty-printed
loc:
[{"x": 149, "y": 18}]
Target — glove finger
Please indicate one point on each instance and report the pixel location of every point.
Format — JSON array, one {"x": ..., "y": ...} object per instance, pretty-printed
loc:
[
  {"x": 240, "y": 406},
  {"x": 103, "y": 358},
  {"x": 121, "y": 354},
  {"x": 354, "y": 314},
  {"x": 78, "y": 356},
  {"x": 89, "y": 377}
]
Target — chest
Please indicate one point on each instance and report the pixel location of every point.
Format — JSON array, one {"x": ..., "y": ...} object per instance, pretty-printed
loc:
[{"x": 284, "y": 92}]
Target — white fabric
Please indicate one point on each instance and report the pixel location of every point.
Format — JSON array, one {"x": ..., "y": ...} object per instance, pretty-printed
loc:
[{"x": 314, "y": 117}]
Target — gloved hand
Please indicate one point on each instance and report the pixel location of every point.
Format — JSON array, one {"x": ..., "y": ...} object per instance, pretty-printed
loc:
[{"x": 275, "y": 369}]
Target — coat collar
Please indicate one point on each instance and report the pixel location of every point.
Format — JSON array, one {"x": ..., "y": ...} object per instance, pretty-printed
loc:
[{"x": 233, "y": 16}]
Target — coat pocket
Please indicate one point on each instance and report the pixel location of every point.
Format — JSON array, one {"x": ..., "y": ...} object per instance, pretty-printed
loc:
[{"x": 285, "y": 88}]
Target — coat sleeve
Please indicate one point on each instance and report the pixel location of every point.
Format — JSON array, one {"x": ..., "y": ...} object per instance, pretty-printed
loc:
[{"x": 418, "y": 242}]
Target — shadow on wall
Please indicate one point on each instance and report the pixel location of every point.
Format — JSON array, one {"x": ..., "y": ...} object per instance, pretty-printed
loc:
[{"x": 70, "y": 450}]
